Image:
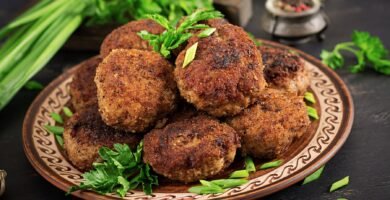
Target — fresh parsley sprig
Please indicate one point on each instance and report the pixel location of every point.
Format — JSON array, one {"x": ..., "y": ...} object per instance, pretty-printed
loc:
[
  {"x": 120, "y": 171},
  {"x": 368, "y": 49},
  {"x": 175, "y": 35}
]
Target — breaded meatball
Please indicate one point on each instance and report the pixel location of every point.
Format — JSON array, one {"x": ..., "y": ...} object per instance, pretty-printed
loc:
[
  {"x": 135, "y": 88},
  {"x": 85, "y": 133},
  {"x": 125, "y": 37},
  {"x": 268, "y": 127},
  {"x": 226, "y": 74},
  {"x": 82, "y": 88},
  {"x": 284, "y": 70},
  {"x": 191, "y": 149}
]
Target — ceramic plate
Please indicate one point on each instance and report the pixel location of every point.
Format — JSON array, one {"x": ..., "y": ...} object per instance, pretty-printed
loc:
[{"x": 323, "y": 139}]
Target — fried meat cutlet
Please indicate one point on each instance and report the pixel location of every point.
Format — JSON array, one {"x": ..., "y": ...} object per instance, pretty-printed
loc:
[
  {"x": 268, "y": 127},
  {"x": 135, "y": 88},
  {"x": 125, "y": 37},
  {"x": 226, "y": 74},
  {"x": 191, "y": 149},
  {"x": 284, "y": 70},
  {"x": 82, "y": 88},
  {"x": 85, "y": 133}
]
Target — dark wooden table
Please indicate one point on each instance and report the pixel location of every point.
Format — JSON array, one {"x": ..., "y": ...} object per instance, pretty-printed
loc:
[{"x": 365, "y": 157}]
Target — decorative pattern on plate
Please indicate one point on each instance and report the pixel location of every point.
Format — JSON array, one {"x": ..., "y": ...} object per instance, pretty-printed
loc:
[{"x": 46, "y": 156}]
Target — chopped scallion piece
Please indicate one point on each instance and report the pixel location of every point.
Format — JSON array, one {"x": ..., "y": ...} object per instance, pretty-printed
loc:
[
  {"x": 314, "y": 176},
  {"x": 206, "y": 189},
  {"x": 253, "y": 38},
  {"x": 67, "y": 112},
  {"x": 60, "y": 140},
  {"x": 272, "y": 164},
  {"x": 339, "y": 184},
  {"x": 206, "y": 183},
  {"x": 190, "y": 55},
  {"x": 229, "y": 183},
  {"x": 207, "y": 32},
  {"x": 312, "y": 112},
  {"x": 239, "y": 174},
  {"x": 310, "y": 97},
  {"x": 56, "y": 130},
  {"x": 57, "y": 117},
  {"x": 249, "y": 164},
  {"x": 33, "y": 85}
]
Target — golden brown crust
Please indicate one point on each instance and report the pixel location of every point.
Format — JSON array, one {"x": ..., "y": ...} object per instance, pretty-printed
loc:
[
  {"x": 125, "y": 37},
  {"x": 268, "y": 127},
  {"x": 191, "y": 149},
  {"x": 284, "y": 70},
  {"x": 226, "y": 75},
  {"x": 135, "y": 88},
  {"x": 85, "y": 133},
  {"x": 82, "y": 88}
]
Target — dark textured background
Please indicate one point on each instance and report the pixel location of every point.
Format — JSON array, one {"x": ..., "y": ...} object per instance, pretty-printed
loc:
[{"x": 364, "y": 157}]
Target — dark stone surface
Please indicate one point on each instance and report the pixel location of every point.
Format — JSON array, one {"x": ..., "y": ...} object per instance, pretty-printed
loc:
[{"x": 364, "y": 157}]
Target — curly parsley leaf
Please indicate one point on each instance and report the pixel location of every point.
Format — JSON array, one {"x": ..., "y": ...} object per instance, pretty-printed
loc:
[
  {"x": 368, "y": 50},
  {"x": 174, "y": 35},
  {"x": 120, "y": 171}
]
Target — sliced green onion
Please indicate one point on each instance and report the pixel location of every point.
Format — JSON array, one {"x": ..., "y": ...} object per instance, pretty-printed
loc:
[
  {"x": 60, "y": 140},
  {"x": 229, "y": 183},
  {"x": 33, "y": 85},
  {"x": 67, "y": 112},
  {"x": 239, "y": 174},
  {"x": 206, "y": 189},
  {"x": 56, "y": 130},
  {"x": 190, "y": 55},
  {"x": 253, "y": 38},
  {"x": 57, "y": 117},
  {"x": 206, "y": 183},
  {"x": 339, "y": 184},
  {"x": 314, "y": 176},
  {"x": 312, "y": 112},
  {"x": 310, "y": 97},
  {"x": 272, "y": 164},
  {"x": 207, "y": 32},
  {"x": 249, "y": 164}
]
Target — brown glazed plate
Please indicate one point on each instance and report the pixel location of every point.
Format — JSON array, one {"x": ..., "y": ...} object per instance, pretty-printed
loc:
[{"x": 324, "y": 138}]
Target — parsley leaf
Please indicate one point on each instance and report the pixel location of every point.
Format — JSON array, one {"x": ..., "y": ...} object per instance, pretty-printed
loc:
[
  {"x": 120, "y": 171},
  {"x": 175, "y": 35},
  {"x": 368, "y": 49}
]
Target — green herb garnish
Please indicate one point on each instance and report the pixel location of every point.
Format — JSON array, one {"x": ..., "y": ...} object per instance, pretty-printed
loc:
[
  {"x": 207, "y": 32},
  {"x": 57, "y": 117},
  {"x": 342, "y": 199},
  {"x": 309, "y": 97},
  {"x": 120, "y": 171},
  {"x": 190, "y": 55},
  {"x": 201, "y": 189},
  {"x": 314, "y": 176},
  {"x": 67, "y": 112},
  {"x": 368, "y": 49},
  {"x": 56, "y": 130},
  {"x": 239, "y": 174},
  {"x": 33, "y": 85},
  {"x": 229, "y": 183},
  {"x": 253, "y": 38},
  {"x": 249, "y": 164},
  {"x": 339, "y": 184},
  {"x": 312, "y": 112},
  {"x": 175, "y": 35},
  {"x": 272, "y": 164}
]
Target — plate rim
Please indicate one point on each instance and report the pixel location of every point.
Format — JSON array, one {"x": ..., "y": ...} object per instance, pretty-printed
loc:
[{"x": 348, "y": 118}]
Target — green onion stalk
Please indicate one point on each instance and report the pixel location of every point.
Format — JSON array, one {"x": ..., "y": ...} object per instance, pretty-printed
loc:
[{"x": 33, "y": 38}]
